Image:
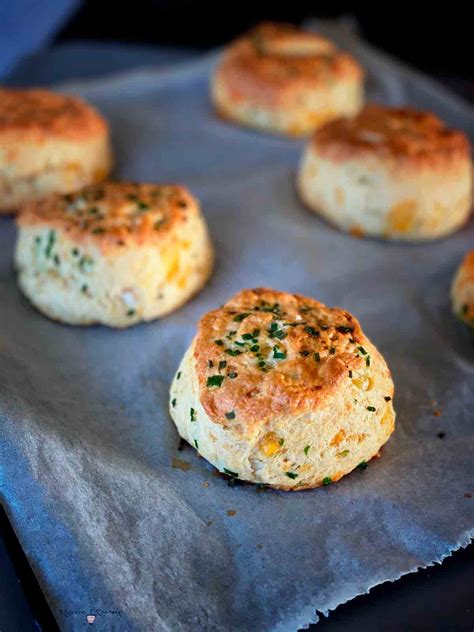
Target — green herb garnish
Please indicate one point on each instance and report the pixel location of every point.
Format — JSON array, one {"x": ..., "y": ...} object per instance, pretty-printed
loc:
[
  {"x": 240, "y": 317},
  {"x": 327, "y": 480},
  {"x": 306, "y": 450},
  {"x": 362, "y": 465},
  {"x": 291, "y": 475},
  {"x": 214, "y": 380},
  {"x": 192, "y": 414},
  {"x": 371, "y": 408},
  {"x": 344, "y": 329},
  {"x": 50, "y": 243},
  {"x": 230, "y": 414},
  {"x": 278, "y": 355},
  {"x": 233, "y": 352},
  {"x": 231, "y": 473}
]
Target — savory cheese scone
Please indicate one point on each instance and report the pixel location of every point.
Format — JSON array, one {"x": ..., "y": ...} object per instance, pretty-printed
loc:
[
  {"x": 462, "y": 290},
  {"x": 116, "y": 253},
  {"x": 285, "y": 80},
  {"x": 279, "y": 389},
  {"x": 395, "y": 173},
  {"x": 48, "y": 143}
]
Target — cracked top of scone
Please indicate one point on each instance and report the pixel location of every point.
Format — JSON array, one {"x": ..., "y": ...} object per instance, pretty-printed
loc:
[
  {"x": 114, "y": 214},
  {"x": 275, "y": 56},
  {"x": 266, "y": 353},
  {"x": 39, "y": 113},
  {"x": 406, "y": 133}
]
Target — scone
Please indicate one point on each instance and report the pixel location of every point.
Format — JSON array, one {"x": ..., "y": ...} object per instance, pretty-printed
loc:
[
  {"x": 389, "y": 172},
  {"x": 48, "y": 143},
  {"x": 281, "y": 390},
  {"x": 115, "y": 253},
  {"x": 462, "y": 290},
  {"x": 285, "y": 80}
]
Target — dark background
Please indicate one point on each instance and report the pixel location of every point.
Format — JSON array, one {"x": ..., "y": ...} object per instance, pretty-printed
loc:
[{"x": 437, "y": 40}]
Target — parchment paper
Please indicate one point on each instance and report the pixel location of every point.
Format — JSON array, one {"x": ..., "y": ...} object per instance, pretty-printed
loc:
[{"x": 111, "y": 528}]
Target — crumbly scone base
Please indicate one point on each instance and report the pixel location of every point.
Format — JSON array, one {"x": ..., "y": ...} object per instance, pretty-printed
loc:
[
  {"x": 284, "y": 80},
  {"x": 373, "y": 196},
  {"x": 280, "y": 390}
]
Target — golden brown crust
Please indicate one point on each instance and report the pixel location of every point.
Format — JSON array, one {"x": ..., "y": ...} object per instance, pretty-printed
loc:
[
  {"x": 43, "y": 114},
  {"x": 404, "y": 133},
  {"x": 463, "y": 290},
  {"x": 266, "y": 353},
  {"x": 273, "y": 61},
  {"x": 113, "y": 214}
]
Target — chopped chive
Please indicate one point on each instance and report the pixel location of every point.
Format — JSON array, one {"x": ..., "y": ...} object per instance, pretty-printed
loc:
[
  {"x": 306, "y": 450},
  {"x": 247, "y": 336},
  {"x": 304, "y": 353},
  {"x": 210, "y": 364},
  {"x": 317, "y": 357},
  {"x": 362, "y": 350},
  {"x": 178, "y": 375},
  {"x": 233, "y": 352},
  {"x": 173, "y": 403},
  {"x": 131, "y": 312},
  {"x": 387, "y": 398},
  {"x": 344, "y": 329},
  {"x": 232, "y": 375},
  {"x": 84, "y": 288},
  {"x": 215, "y": 380},
  {"x": 75, "y": 252},
  {"x": 56, "y": 260},
  {"x": 344, "y": 453},
  {"x": 367, "y": 361},
  {"x": 255, "y": 348},
  {"x": 219, "y": 342},
  {"x": 291, "y": 475},
  {"x": 86, "y": 264},
  {"x": 327, "y": 480},
  {"x": 371, "y": 408},
  {"x": 192, "y": 414},
  {"x": 312, "y": 331},
  {"x": 350, "y": 373},
  {"x": 278, "y": 355},
  {"x": 332, "y": 350},
  {"x": 281, "y": 442},
  {"x": 196, "y": 444},
  {"x": 230, "y": 414},
  {"x": 231, "y": 473},
  {"x": 240, "y": 317},
  {"x": 50, "y": 243},
  {"x": 362, "y": 465},
  {"x": 222, "y": 365}
]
